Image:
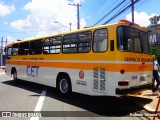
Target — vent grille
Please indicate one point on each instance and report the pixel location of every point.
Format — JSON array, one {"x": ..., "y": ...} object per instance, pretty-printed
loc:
[
  {"x": 95, "y": 78},
  {"x": 102, "y": 73},
  {"x": 95, "y": 84},
  {"x": 99, "y": 80},
  {"x": 102, "y": 85},
  {"x": 102, "y": 79},
  {"x": 95, "y": 73}
]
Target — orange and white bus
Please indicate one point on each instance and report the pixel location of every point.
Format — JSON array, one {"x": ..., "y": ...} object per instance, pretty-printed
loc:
[{"x": 100, "y": 61}]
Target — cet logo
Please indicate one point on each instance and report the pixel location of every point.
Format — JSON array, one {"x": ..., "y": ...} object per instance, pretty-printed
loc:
[
  {"x": 81, "y": 74},
  {"x": 32, "y": 71}
]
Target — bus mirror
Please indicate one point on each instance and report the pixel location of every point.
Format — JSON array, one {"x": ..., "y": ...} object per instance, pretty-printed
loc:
[{"x": 5, "y": 49}]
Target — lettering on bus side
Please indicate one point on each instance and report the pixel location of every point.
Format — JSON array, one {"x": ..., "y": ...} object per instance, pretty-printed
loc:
[{"x": 32, "y": 71}]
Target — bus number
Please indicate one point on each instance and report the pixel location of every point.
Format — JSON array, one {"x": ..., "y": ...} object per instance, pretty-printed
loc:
[{"x": 32, "y": 71}]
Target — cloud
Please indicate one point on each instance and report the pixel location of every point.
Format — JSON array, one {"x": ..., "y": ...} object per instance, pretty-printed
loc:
[
  {"x": 141, "y": 18},
  {"x": 6, "y": 10},
  {"x": 5, "y": 23},
  {"x": 43, "y": 14},
  {"x": 19, "y": 24}
]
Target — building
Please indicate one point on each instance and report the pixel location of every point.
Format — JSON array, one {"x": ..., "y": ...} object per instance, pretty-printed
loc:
[{"x": 154, "y": 39}]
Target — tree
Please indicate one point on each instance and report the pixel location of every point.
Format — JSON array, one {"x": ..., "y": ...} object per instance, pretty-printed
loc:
[{"x": 154, "y": 20}]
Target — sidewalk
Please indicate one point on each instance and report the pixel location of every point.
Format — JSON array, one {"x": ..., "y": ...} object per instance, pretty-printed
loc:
[
  {"x": 2, "y": 71},
  {"x": 148, "y": 101}
]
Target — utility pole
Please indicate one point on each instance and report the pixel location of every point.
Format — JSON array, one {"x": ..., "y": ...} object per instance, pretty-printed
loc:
[
  {"x": 132, "y": 8},
  {"x": 77, "y": 5},
  {"x": 70, "y": 26},
  {"x": 6, "y": 42}
]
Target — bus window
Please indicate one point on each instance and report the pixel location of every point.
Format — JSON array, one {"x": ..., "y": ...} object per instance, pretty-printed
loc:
[
  {"x": 77, "y": 43},
  {"x": 23, "y": 48},
  {"x": 100, "y": 40},
  {"x": 145, "y": 42},
  {"x": 8, "y": 52},
  {"x": 69, "y": 43},
  {"x": 52, "y": 45},
  {"x": 14, "y": 49},
  {"x": 84, "y": 41},
  {"x": 36, "y": 47},
  {"x": 128, "y": 39}
]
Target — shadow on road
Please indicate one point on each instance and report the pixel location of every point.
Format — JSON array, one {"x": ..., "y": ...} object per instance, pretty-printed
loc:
[{"x": 94, "y": 105}]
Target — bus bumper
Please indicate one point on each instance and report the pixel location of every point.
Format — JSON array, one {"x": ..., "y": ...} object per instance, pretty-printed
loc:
[{"x": 132, "y": 89}]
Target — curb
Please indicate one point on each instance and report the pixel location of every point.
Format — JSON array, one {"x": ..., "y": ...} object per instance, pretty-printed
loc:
[{"x": 149, "y": 109}]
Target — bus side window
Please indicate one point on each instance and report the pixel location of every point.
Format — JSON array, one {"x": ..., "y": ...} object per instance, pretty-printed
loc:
[
  {"x": 36, "y": 47},
  {"x": 84, "y": 41},
  {"x": 52, "y": 45},
  {"x": 100, "y": 40},
  {"x": 77, "y": 42},
  {"x": 14, "y": 51},
  {"x": 23, "y": 48}
]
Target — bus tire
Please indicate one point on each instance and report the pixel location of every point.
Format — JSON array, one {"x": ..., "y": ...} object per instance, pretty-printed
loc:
[{"x": 64, "y": 85}]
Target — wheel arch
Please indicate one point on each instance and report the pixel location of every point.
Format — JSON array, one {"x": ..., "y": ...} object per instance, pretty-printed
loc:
[{"x": 63, "y": 74}]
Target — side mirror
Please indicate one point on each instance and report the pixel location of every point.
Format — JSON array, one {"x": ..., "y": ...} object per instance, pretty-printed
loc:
[{"x": 5, "y": 49}]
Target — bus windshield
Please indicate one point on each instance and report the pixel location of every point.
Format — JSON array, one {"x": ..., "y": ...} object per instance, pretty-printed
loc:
[{"x": 132, "y": 40}]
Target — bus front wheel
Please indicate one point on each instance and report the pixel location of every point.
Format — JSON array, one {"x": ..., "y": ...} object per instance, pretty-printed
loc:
[{"x": 64, "y": 86}]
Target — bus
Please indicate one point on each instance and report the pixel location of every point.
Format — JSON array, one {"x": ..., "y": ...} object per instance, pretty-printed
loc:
[{"x": 106, "y": 60}]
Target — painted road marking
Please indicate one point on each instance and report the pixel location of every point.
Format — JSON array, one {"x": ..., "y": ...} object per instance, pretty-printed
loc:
[{"x": 39, "y": 104}]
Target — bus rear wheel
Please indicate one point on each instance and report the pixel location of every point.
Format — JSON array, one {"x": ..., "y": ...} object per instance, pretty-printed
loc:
[{"x": 64, "y": 86}]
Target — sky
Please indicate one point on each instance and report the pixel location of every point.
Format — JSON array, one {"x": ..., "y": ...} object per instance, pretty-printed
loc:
[{"x": 24, "y": 19}]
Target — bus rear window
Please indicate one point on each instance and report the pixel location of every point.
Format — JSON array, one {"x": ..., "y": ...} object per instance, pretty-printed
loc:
[
  {"x": 145, "y": 42},
  {"x": 132, "y": 40},
  {"x": 128, "y": 39}
]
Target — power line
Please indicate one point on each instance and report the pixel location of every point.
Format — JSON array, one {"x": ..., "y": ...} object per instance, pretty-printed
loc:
[
  {"x": 100, "y": 4},
  {"x": 122, "y": 7},
  {"x": 109, "y": 12},
  {"x": 106, "y": 7},
  {"x": 138, "y": 5},
  {"x": 128, "y": 11},
  {"x": 93, "y": 4},
  {"x": 120, "y": 12}
]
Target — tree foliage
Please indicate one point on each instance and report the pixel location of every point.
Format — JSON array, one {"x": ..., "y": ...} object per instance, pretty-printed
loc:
[{"x": 154, "y": 20}]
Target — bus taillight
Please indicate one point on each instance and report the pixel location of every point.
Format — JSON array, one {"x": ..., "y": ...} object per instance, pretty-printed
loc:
[{"x": 123, "y": 83}]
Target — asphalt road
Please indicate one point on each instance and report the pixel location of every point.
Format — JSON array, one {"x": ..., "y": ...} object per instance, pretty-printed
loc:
[{"x": 28, "y": 97}]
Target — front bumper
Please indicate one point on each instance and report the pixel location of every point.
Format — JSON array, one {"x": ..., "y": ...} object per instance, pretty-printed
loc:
[{"x": 132, "y": 89}]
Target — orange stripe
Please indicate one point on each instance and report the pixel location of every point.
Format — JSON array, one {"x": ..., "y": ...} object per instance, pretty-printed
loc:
[{"x": 87, "y": 66}]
